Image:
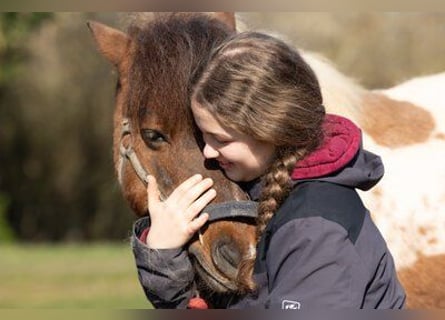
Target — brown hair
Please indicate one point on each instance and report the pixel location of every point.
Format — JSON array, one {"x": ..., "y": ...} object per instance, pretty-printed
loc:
[{"x": 260, "y": 86}]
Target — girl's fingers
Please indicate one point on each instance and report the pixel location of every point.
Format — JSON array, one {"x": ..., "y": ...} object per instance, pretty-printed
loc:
[
  {"x": 185, "y": 186},
  {"x": 195, "y": 192},
  {"x": 197, "y": 223},
  {"x": 153, "y": 193},
  {"x": 196, "y": 207}
]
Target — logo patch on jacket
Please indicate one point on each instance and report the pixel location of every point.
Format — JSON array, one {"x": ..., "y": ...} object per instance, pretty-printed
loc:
[{"x": 289, "y": 304}]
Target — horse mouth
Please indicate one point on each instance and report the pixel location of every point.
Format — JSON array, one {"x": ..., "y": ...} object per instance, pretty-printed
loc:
[{"x": 210, "y": 276}]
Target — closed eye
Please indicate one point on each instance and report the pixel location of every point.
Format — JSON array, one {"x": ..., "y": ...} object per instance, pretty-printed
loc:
[
  {"x": 222, "y": 142},
  {"x": 209, "y": 138},
  {"x": 154, "y": 139}
]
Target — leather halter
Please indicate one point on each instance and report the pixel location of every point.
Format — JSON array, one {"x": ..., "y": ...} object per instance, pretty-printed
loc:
[
  {"x": 128, "y": 153},
  {"x": 217, "y": 211}
]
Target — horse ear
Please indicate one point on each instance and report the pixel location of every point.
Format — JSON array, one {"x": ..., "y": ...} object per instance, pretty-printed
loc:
[
  {"x": 111, "y": 42},
  {"x": 227, "y": 17}
]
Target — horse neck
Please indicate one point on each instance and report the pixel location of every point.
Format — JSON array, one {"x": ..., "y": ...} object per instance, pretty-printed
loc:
[{"x": 341, "y": 94}]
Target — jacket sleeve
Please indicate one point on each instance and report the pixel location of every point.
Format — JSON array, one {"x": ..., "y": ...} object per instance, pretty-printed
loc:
[
  {"x": 311, "y": 263},
  {"x": 166, "y": 275}
]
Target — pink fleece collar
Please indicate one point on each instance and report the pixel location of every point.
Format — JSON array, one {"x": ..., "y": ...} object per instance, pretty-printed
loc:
[{"x": 341, "y": 143}]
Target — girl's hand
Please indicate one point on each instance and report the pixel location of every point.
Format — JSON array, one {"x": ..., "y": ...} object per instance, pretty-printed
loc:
[{"x": 175, "y": 220}]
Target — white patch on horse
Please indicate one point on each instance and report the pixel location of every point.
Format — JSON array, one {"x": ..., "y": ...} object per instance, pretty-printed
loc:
[
  {"x": 408, "y": 203},
  {"x": 411, "y": 197}
]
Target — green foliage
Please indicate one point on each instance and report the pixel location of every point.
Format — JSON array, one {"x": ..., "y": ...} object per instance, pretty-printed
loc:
[{"x": 14, "y": 29}]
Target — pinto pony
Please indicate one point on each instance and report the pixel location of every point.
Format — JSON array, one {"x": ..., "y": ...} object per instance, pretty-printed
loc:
[{"x": 157, "y": 65}]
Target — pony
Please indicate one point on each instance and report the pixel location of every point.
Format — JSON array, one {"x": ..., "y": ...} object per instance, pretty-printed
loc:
[{"x": 154, "y": 133}]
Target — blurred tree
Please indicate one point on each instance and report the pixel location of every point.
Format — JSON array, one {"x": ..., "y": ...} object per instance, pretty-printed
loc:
[
  {"x": 55, "y": 133},
  {"x": 14, "y": 29}
]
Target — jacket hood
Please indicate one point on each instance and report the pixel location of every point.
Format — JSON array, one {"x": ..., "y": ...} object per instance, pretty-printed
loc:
[{"x": 340, "y": 159}]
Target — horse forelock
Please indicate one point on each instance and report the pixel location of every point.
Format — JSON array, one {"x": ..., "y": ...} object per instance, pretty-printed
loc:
[{"x": 169, "y": 53}]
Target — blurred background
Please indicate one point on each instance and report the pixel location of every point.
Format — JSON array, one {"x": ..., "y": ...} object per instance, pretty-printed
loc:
[{"x": 64, "y": 226}]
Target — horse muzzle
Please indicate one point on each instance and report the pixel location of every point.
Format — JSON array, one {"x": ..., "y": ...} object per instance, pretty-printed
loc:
[{"x": 218, "y": 254}]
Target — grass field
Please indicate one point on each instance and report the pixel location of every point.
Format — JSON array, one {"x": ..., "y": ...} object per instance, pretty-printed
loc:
[{"x": 69, "y": 276}]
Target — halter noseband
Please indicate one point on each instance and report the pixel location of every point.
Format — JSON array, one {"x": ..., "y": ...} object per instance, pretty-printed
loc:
[
  {"x": 217, "y": 211},
  {"x": 128, "y": 153}
]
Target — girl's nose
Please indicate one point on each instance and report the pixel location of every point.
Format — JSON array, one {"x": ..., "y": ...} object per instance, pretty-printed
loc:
[{"x": 209, "y": 152}]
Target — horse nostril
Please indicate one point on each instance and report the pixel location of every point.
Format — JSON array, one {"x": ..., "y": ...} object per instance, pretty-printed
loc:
[
  {"x": 230, "y": 254},
  {"x": 226, "y": 257}
]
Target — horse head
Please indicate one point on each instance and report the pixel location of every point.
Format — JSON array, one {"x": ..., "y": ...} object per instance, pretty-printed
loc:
[{"x": 157, "y": 64}]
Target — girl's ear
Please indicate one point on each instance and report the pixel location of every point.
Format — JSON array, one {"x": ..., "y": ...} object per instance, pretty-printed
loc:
[{"x": 228, "y": 18}]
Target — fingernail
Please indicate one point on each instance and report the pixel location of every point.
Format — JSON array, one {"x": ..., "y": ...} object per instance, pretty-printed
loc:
[{"x": 205, "y": 215}]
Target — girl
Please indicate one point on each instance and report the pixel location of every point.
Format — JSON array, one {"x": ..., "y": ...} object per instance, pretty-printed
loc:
[{"x": 259, "y": 108}]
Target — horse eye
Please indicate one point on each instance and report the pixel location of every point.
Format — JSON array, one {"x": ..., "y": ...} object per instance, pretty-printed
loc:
[{"x": 153, "y": 138}]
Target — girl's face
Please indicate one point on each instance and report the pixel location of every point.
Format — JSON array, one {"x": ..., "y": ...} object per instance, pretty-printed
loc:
[{"x": 240, "y": 156}]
